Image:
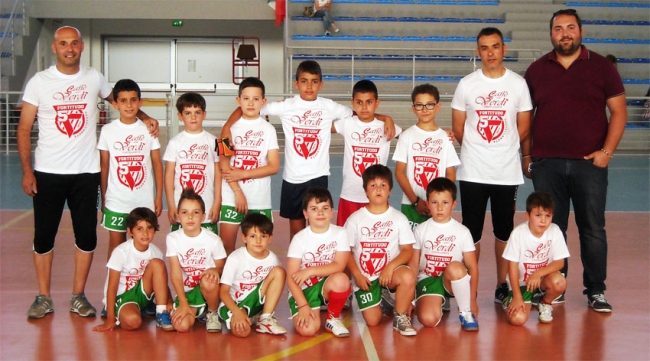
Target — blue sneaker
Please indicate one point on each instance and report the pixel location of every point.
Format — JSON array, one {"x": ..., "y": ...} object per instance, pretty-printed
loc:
[
  {"x": 164, "y": 321},
  {"x": 104, "y": 314},
  {"x": 468, "y": 321}
]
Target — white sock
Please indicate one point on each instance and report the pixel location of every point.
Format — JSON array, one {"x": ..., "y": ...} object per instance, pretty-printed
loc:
[
  {"x": 161, "y": 308},
  {"x": 265, "y": 315},
  {"x": 462, "y": 293}
]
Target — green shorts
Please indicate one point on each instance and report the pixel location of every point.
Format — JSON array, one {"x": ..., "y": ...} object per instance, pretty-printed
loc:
[
  {"x": 252, "y": 304},
  {"x": 413, "y": 216},
  {"x": 525, "y": 294},
  {"x": 214, "y": 227},
  {"x": 431, "y": 286},
  {"x": 372, "y": 297},
  {"x": 230, "y": 215},
  {"x": 114, "y": 221},
  {"x": 314, "y": 296},
  {"x": 135, "y": 295},
  {"x": 194, "y": 299}
]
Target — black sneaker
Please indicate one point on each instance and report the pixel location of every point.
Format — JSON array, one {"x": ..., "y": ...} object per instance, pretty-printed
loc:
[
  {"x": 501, "y": 293},
  {"x": 559, "y": 299},
  {"x": 599, "y": 303}
]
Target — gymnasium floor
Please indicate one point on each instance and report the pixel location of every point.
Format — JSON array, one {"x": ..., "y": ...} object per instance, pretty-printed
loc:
[{"x": 577, "y": 332}]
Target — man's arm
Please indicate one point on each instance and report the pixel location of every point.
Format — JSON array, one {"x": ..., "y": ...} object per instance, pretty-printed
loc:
[
  {"x": 104, "y": 162},
  {"x": 458, "y": 118},
  {"x": 23, "y": 134},
  {"x": 617, "y": 121}
]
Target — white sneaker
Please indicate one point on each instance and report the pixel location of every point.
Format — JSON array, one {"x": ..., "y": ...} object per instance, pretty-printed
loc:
[
  {"x": 335, "y": 326},
  {"x": 269, "y": 324},
  {"x": 545, "y": 312},
  {"x": 212, "y": 323}
]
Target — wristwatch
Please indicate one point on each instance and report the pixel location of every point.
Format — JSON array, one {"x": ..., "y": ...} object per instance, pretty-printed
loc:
[{"x": 415, "y": 204}]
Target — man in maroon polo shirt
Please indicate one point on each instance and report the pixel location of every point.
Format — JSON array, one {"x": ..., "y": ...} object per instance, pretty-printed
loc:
[{"x": 573, "y": 141}]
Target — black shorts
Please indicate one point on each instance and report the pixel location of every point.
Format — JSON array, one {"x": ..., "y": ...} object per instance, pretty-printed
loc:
[
  {"x": 474, "y": 198},
  {"x": 291, "y": 196},
  {"x": 81, "y": 191}
]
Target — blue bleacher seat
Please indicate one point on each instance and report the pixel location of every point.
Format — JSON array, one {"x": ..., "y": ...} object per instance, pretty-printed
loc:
[
  {"x": 405, "y": 1},
  {"x": 344, "y": 18},
  {"x": 412, "y": 38},
  {"x": 430, "y": 20},
  {"x": 365, "y": 18},
  {"x": 635, "y": 103},
  {"x": 302, "y": 56},
  {"x": 368, "y": 37},
  {"x": 494, "y": 21},
  {"x": 364, "y": 1},
  {"x": 330, "y": 77},
  {"x": 636, "y": 41},
  {"x": 369, "y": 56},
  {"x": 445, "y": 2},
  {"x": 472, "y": 20},
  {"x": 396, "y": 57},
  {"x": 642, "y": 22},
  {"x": 641, "y": 60},
  {"x": 384, "y": 1},
  {"x": 488, "y": 3},
  {"x": 387, "y": 18},
  {"x": 397, "y": 78},
  {"x": 624, "y": 22},
  {"x": 390, "y": 38},
  {"x": 467, "y": 3},
  {"x": 422, "y": 78},
  {"x": 374, "y": 77},
  {"x": 409, "y": 19},
  {"x": 434, "y": 38},
  {"x": 451, "y": 20}
]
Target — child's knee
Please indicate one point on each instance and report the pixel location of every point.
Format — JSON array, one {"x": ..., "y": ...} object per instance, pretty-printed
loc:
[
  {"x": 339, "y": 282},
  {"x": 130, "y": 321},
  {"x": 430, "y": 319},
  {"x": 455, "y": 271},
  {"x": 278, "y": 272},
  {"x": 519, "y": 319},
  {"x": 373, "y": 316},
  {"x": 242, "y": 333}
]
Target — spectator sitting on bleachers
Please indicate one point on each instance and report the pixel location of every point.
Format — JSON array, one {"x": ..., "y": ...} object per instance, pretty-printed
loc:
[{"x": 322, "y": 9}]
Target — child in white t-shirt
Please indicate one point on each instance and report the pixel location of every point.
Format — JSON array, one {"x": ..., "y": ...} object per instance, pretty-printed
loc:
[
  {"x": 252, "y": 281},
  {"x": 246, "y": 185},
  {"x": 196, "y": 259},
  {"x": 131, "y": 167},
  {"x": 382, "y": 244},
  {"x": 190, "y": 162},
  {"x": 535, "y": 252}
]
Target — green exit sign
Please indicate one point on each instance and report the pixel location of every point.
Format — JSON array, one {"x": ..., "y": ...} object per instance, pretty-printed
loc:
[{"x": 177, "y": 23}]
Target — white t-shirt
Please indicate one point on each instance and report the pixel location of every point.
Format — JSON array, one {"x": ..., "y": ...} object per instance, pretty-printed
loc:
[
  {"x": 195, "y": 254},
  {"x": 439, "y": 244},
  {"x": 131, "y": 264},
  {"x": 365, "y": 145},
  {"x": 67, "y": 119},
  {"x": 130, "y": 179},
  {"x": 244, "y": 272},
  {"x": 490, "y": 150},
  {"x": 317, "y": 249},
  {"x": 307, "y": 127},
  {"x": 375, "y": 239},
  {"x": 427, "y": 156},
  {"x": 533, "y": 253},
  {"x": 252, "y": 140},
  {"x": 194, "y": 160}
]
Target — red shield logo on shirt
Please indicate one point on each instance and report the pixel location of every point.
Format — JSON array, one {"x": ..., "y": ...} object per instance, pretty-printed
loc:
[
  {"x": 436, "y": 265},
  {"x": 373, "y": 260},
  {"x": 306, "y": 142},
  {"x": 362, "y": 158},
  {"x": 193, "y": 176},
  {"x": 70, "y": 118},
  {"x": 246, "y": 159},
  {"x": 425, "y": 170},
  {"x": 491, "y": 124},
  {"x": 130, "y": 170}
]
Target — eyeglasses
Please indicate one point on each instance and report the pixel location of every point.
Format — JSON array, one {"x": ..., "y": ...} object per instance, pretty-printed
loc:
[
  {"x": 429, "y": 106},
  {"x": 565, "y": 12}
]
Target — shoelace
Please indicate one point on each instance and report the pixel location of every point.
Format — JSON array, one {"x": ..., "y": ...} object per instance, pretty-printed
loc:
[
  {"x": 599, "y": 298},
  {"x": 469, "y": 317},
  {"x": 404, "y": 320}
]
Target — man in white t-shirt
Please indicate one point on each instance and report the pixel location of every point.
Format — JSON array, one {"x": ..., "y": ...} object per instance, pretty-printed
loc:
[
  {"x": 490, "y": 117},
  {"x": 66, "y": 167}
]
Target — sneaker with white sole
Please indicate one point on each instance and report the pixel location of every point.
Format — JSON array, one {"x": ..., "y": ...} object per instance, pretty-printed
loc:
[
  {"x": 164, "y": 321},
  {"x": 335, "y": 327},
  {"x": 402, "y": 324},
  {"x": 41, "y": 306},
  {"x": 79, "y": 304},
  {"x": 599, "y": 303},
  {"x": 501, "y": 293},
  {"x": 545, "y": 312},
  {"x": 212, "y": 323},
  {"x": 269, "y": 324},
  {"x": 468, "y": 321}
]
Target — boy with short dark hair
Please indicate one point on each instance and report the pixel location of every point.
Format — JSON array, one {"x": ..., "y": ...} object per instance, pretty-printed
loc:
[
  {"x": 382, "y": 244},
  {"x": 252, "y": 281},
  {"x": 365, "y": 145},
  {"x": 445, "y": 257},
  {"x": 424, "y": 152},
  {"x": 136, "y": 272},
  {"x": 190, "y": 162},
  {"x": 246, "y": 185},
  {"x": 316, "y": 259},
  {"x": 129, "y": 156},
  {"x": 535, "y": 252}
]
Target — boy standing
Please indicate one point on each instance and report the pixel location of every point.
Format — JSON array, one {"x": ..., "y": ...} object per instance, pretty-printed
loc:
[
  {"x": 424, "y": 152},
  {"x": 190, "y": 162},
  {"x": 129, "y": 155},
  {"x": 365, "y": 145},
  {"x": 136, "y": 272},
  {"x": 307, "y": 123},
  {"x": 247, "y": 174},
  {"x": 316, "y": 259},
  {"x": 445, "y": 258},
  {"x": 535, "y": 252},
  {"x": 252, "y": 281},
  {"x": 382, "y": 244},
  {"x": 196, "y": 259}
]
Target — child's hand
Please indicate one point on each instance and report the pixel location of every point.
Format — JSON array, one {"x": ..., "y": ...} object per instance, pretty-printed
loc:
[
  {"x": 180, "y": 313},
  {"x": 452, "y": 138},
  {"x": 422, "y": 208},
  {"x": 304, "y": 317},
  {"x": 233, "y": 174},
  {"x": 241, "y": 203},
  {"x": 215, "y": 212},
  {"x": 158, "y": 207},
  {"x": 239, "y": 322},
  {"x": 301, "y": 276},
  {"x": 210, "y": 275},
  {"x": 474, "y": 307},
  {"x": 172, "y": 214},
  {"x": 389, "y": 128},
  {"x": 533, "y": 282},
  {"x": 386, "y": 275},
  {"x": 108, "y": 325},
  {"x": 362, "y": 282},
  {"x": 517, "y": 305}
]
